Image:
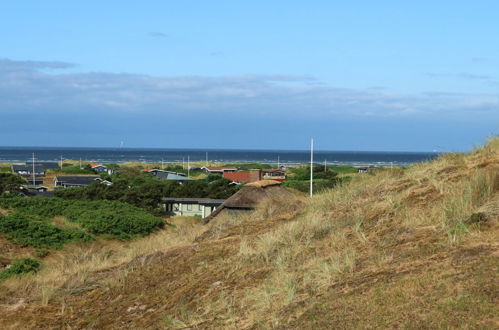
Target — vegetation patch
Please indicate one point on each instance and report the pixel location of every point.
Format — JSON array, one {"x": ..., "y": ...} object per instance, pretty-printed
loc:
[
  {"x": 31, "y": 224},
  {"x": 4, "y": 169},
  {"x": 10, "y": 183},
  {"x": 31, "y": 230},
  {"x": 20, "y": 267},
  {"x": 324, "y": 178}
]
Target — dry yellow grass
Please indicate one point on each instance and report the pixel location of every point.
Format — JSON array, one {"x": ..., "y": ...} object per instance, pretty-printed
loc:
[
  {"x": 415, "y": 248},
  {"x": 72, "y": 268}
]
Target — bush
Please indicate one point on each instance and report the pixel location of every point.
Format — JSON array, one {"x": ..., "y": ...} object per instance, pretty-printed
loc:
[
  {"x": 30, "y": 225},
  {"x": 116, "y": 219},
  {"x": 46, "y": 207},
  {"x": 21, "y": 267},
  {"x": 10, "y": 182},
  {"x": 32, "y": 230}
]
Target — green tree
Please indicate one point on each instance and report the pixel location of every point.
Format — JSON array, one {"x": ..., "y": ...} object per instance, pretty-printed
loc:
[{"x": 10, "y": 183}]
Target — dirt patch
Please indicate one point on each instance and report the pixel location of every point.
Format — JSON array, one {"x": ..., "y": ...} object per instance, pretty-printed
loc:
[
  {"x": 395, "y": 187},
  {"x": 449, "y": 170},
  {"x": 5, "y": 212},
  {"x": 422, "y": 195},
  {"x": 13, "y": 251}
]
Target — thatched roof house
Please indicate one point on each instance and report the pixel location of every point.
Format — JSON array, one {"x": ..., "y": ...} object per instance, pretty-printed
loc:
[{"x": 249, "y": 197}]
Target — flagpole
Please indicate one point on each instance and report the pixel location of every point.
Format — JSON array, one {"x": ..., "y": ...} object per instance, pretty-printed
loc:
[
  {"x": 311, "y": 167},
  {"x": 34, "y": 173}
]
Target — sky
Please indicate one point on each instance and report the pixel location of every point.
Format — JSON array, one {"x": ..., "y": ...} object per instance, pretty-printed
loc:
[{"x": 354, "y": 75}]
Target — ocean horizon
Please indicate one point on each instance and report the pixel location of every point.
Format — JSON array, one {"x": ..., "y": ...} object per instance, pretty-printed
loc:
[{"x": 175, "y": 155}]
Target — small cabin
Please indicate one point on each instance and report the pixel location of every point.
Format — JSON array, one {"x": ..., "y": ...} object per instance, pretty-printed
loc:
[
  {"x": 276, "y": 175},
  {"x": 190, "y": 207}
]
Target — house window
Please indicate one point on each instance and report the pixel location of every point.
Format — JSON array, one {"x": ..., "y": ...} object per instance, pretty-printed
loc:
[
  {"x": 189, "y": 207},
  {"x": 200, "y": 207}
]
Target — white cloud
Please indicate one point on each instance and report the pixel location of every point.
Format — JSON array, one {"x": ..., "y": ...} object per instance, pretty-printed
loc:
[{"x": 25, "y": 87}]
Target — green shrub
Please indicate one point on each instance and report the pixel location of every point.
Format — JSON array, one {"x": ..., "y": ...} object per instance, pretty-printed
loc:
[
  {"x": 113, "y": 218},
  {"x": 4, "y": 169},
  {"x": 30, "y": 224},
  {"x": 21, "y": 267},
  {"x": 35, "y": 231},
  {"x": 10, "y": 182},
  {"x": 41, "y": 253},
  {"x": 46, "y": 207}
]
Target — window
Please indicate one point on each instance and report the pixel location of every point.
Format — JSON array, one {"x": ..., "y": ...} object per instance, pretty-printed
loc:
[
  {"x": 200, "y": 207},
  {"x": 189, "y": 207}
]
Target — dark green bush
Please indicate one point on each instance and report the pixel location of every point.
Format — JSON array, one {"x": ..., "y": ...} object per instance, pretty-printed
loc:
[
  {"x": 10, "y": 182},
  {"x": 31, "y": 225},
  {"x": 46, "y": 207},
  {"x": 21, "y": 267},
  {"x": 113, "y": 218},
  {"x": 32, "y": 230}
]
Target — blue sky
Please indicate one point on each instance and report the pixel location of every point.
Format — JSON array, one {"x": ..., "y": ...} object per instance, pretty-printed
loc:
[{"x": 355, "y": 75}]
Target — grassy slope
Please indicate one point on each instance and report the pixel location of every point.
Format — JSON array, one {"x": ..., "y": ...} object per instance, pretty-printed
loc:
[{"x": 393, "y": 249}]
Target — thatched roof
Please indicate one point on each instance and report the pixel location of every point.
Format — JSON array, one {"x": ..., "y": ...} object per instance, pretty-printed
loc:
[
  {"x": 250, "y": 196},
  {"x": 264, "y": 183}
]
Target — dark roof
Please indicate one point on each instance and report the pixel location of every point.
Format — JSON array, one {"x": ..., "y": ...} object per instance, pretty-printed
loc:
[
  {"x": 189, "y": 200},
  {"x": 76, "y": 180},
  {"x": 172, "y": 176},
  {"x": 46, "y": 165},
  {"x": 18, "y": 168}
]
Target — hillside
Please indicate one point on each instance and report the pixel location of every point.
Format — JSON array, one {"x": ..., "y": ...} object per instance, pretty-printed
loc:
[{"x": 413, "y": 248}]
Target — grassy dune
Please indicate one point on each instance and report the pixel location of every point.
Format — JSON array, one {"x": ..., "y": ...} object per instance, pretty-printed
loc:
[{"x": 413, "y": 248}]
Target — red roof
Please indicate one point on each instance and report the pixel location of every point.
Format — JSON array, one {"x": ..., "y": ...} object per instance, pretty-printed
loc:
[
  {"x": 247, "y": 176},
  {"x": 238, "y": 176}
]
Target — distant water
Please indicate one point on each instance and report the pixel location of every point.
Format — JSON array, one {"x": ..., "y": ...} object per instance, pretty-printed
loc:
[{"x": 120, "y": 155}]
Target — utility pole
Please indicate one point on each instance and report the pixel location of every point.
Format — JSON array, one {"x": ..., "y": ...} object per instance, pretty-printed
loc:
[
  {"x": 34, "y": 176},
  {"x": 80, "y": 164},
  {"x": 311, "y": 167},
  {"x": 188, "y": 166},
  {"x": 325, "y": 165}
]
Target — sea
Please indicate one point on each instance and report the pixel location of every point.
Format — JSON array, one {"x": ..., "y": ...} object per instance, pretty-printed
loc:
[{"x": 153, "y": 155}]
